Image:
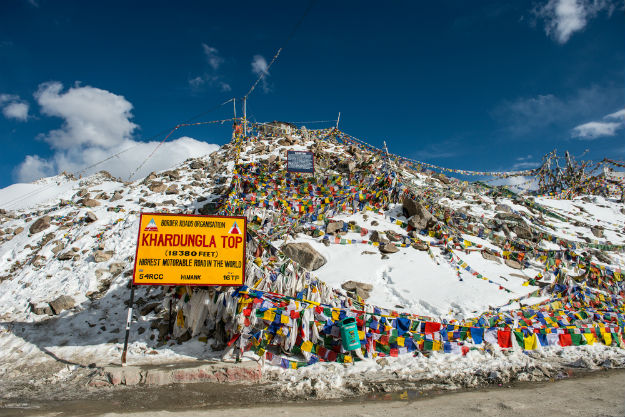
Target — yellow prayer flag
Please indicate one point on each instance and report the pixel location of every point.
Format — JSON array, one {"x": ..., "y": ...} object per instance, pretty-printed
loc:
[
  {"x": 531, "y": 342},
  {"x": 400, "y": 341},
  {"x": 307, "y": 346},
  {"x": 590, "y": 338},
  {"x": 269, "y": 315},
  {"x": 607, "y": 338}
]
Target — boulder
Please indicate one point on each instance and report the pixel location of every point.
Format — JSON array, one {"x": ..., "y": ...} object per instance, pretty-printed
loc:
[
  {"x": 41, "y": 309},
  {"x": 89, "y": 202},
  {"x": 361, "y": 289},
  {"x": 64, "y": 302},
  {"x": 409, "y": 207},
  {"x": 597, "y": 231},
  {"x": 511, "y": 217},
  {"x": 157, "y": 187},
  {"x": 377, "y": 237},
  {"x": 523, "y": 231},
  {"x": 197, "y": 164},
  {"x": 392, "y": 236},
  {"x": 39, "y": 225},
  {"x": 116, "y": 196},
  {"x": 18, "y": 230},
  {"x": 503, "y": 208},
  {"x": 513, "y": 264},
  {"x": 65, "y": 256},
  {"x": 59, "y": 246},
  {"x": 172, "y": 189},
  {"x": 305, "y": 255},
  {"x": 388, "y": 248},
  {"x": 490, "y": 256},
  {"x": 90, "y": 217},
  {"x": 334, "y": 226},
  {"x": 102, "y": 256},
  {"x": 116, "y": 268},
  {"x": 420, "y": 245}
]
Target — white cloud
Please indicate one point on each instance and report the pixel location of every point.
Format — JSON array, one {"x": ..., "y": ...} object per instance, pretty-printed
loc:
[
  {"x": 211, "y": 78},
  {"x": 212, "y": 56},
  {"x": 617, "y": 115},
  {"x": 596, "y": 129},
  {"x": 214, "y": 81},
  {"x": 530, "y": 115},
  {"x": 562, "y": 18},
  {"x": 13, "y": 107},
  {"x": 96, "y": 126},
  {"x": 518, "y": 184},
  {"x": 34, "y": 168},
  {"x": 18, "y": 111},
  {"x": 92, "y": 117},
  {"x": 260, "y": 67}
]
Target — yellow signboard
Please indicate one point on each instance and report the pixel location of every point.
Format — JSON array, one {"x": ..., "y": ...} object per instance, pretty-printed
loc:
[{"x": 178, "y": 249}]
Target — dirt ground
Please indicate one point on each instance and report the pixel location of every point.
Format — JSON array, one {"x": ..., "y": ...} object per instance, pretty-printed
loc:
[{"x": 600, "y": 393}]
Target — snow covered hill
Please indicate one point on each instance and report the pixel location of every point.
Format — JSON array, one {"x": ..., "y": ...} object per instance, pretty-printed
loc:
[{"x": 451, "y": 252}]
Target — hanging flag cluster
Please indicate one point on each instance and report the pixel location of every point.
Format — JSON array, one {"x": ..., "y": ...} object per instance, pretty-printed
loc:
[{"x": 284, "y": 312}]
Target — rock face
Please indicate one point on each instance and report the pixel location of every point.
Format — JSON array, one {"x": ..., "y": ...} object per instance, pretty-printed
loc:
[
  {"x": 358, "y": 288},
  {"x": 333, "y": 227},
  {"x": 305, "y": 255},
  {"x": 39, "y": 225},
  {"x": 64, "y": 302},
  {"x": 90, "y": 217}
]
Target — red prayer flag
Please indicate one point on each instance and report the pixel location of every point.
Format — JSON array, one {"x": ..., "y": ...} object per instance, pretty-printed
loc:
[
  {"x": 431, "y": 327},
  {"x": 504, "y": 338},
  {"x": 565, "y": 339}
]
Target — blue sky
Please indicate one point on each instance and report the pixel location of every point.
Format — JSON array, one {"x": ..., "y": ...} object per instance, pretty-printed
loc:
[{"x": 470, "y": 85}]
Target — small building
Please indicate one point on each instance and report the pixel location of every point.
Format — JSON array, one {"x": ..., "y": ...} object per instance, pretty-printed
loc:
[{"x": 277, "y": 128}]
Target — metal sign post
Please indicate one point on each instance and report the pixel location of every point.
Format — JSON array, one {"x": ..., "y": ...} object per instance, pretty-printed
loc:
[
  {"x": 186, "y": 249},
  {"x": 128, "y": 320}
]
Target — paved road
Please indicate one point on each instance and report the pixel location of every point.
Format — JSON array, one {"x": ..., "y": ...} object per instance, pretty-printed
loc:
[{"x": 597, "y": 394}]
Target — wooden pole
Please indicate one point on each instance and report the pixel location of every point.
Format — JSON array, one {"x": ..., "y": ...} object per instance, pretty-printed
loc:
[
  {"x": 128, "y": 320},
  {"x": 337, "y": 121},
  {"x": 245, "y": 116}
]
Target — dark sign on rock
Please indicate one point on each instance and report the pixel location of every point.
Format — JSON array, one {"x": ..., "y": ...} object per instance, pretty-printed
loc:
[{"x": 300, "y": 161}]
